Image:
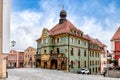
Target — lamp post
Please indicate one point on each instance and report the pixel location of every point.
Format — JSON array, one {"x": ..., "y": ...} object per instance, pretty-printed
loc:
[{"x": 13, "y": 43}]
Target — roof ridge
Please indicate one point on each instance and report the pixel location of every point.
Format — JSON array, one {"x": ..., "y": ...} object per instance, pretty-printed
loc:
[{"x": 116, "y": 36}]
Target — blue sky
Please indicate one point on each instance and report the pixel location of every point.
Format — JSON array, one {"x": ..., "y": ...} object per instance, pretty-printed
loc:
[{"x": 100, "y": 19}]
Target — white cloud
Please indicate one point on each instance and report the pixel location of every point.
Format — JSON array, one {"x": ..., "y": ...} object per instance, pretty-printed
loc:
[{"x": 26, "y": 26}]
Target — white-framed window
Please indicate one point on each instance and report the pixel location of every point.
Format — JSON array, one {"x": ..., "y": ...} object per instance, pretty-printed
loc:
[{"x": 58, "y": 40}]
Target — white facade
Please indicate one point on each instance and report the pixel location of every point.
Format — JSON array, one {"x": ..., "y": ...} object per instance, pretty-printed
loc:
[{"x": 6, "y": 27}]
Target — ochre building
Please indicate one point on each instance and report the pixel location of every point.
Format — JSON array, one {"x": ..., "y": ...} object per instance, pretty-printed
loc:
[{"x": 29, "y": 57}]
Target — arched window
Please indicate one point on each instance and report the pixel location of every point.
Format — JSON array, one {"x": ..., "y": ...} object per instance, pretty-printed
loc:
[
  {"x": 71, "y": 51},
  {"x": 78, "y": 64},
  {"x": 71, "y": 64}
]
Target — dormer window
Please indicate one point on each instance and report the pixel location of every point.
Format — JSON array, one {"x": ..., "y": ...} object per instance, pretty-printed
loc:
[
  {"x": 74, "y": 32},
  {"x": 81, "y": 34}
]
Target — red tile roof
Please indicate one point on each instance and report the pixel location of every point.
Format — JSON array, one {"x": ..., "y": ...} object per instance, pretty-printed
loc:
[
  {"x": 116, "y": 36},
  {"x": 65, "y": 27},
  {"x": 94, "y": 41}
]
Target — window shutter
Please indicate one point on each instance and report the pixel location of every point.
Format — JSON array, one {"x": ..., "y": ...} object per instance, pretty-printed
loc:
[
  {"x": 70, "y": 39},
  {"x": 60, "y": 39}
]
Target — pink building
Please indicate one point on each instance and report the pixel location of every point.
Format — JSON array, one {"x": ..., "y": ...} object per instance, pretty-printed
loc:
[{"x": 15, "y": 59}]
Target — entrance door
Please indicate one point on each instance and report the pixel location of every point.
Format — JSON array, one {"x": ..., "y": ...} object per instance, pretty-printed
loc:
[
  {"x": 63, "y": 65},
  {"x": 38, "y": 63},
  {"x": 54, "y": 64},
  {"x": 45, "y": 64}
]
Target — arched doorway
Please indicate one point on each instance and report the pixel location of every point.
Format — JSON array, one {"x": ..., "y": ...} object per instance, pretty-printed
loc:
[
  {"x": 38, "y": 63},
  {"x": 63, "y": 65},
  {"x": 53, "y": 64},
  {"x": 45, "y": 64}
]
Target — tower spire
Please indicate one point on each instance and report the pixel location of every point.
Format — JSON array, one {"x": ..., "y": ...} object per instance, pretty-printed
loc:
[{"x": 63, "y": 15}]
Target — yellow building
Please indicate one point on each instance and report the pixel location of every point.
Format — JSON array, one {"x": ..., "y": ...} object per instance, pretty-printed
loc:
[{"x": 29, "y": 57}]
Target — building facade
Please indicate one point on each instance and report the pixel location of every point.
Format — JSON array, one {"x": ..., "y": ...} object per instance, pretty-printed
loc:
[
  {"x": 4, "y": 35},
  {"x": 15, "y": 59},
  {"x": 116, "y": 46},
  {"x": 65, "y": 47},
  {"x": 97, "y": 55},
  {"x": 29, "y": 57}
]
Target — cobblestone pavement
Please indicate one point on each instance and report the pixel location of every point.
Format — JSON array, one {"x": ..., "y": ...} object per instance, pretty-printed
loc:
[{"x": 46, "y": 74}]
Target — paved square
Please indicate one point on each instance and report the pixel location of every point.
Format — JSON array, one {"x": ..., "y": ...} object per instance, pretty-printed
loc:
[{"x": 46, "y": 74}]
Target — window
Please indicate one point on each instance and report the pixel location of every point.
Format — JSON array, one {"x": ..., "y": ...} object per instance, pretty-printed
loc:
[
  {"x": 72, "y": 40},
  {"x": 98, "y": 55},
  {"x": 52, "y": 41},
  {"x": 58, "y": 51},
  {"x": 78, "y": 64},
  {"x": 85, "y": 63},
  {"x": 71, "y": 64},
  {"x": 44, "y": 41},
  {"x": 72, "y": 51},
  {"x": 92, "y": 62},
  {"x": 78, "y": 41},
  {"x": 84, "y": 43},
  {"x": 85, "y": 53},
  {"x": 78, "y": 52},
  {"x": 81, "y": 34},
  {"x": 92, "y": 54},
  {"x": 57, "y": 40}
]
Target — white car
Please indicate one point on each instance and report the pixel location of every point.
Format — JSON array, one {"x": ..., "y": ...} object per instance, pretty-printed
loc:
[{"x": 83, "y": 71}]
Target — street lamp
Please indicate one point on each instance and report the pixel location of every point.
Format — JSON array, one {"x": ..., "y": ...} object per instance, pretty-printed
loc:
[{"x": 13, "y": 43}]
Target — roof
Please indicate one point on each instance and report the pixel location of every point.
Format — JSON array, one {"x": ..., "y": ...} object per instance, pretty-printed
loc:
[
  {"x": 116, "y": 36},
  {"x": 29, "y": 48},
  {"x": 65, "y": 27},
  {"x": 94, "y": 41}
]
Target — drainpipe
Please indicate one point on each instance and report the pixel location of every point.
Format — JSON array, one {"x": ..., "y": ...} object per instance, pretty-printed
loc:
[
  {"x": 88, "y": 53},
  {"x": 68, "y": 55}
]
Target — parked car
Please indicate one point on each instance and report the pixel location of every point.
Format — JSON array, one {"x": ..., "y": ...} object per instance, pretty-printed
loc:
[{"x": 83, "y": 71}]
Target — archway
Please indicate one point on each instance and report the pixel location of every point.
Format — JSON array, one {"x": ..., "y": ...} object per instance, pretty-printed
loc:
[
  {"x": 63, "y": 65},
  {"x": 38, "y": 63},
  {"x": 45, "y": 64},
  {"x": 53, "y": 64}
]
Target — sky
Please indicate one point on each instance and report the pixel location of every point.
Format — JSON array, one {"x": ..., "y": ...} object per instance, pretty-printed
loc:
[{"x": 97, "y": 18}]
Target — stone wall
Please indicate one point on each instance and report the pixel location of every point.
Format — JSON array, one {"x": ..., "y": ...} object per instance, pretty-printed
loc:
[{"x": 113, "y": 73}]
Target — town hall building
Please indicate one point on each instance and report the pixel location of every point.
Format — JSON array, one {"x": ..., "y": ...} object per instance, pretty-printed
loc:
[{"x": 65, "y": 47}]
